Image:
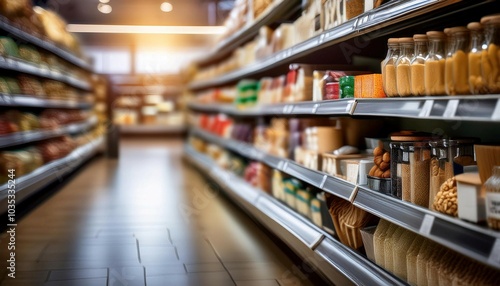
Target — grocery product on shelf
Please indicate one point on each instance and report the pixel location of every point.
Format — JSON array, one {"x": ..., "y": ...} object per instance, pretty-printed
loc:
[
  {"x": 492, "y": 189},
  {"x": 434, "y": 67},
  {"x": 490, "y": 60},
  {"x": 476, "y": 80},
  {"x": 402, "y": 65},
  {"x": 418, "y": 65},
  {"x": 388, "y": 67},
  {"x": 460, "y": 70},
  {"x": 445, "y": 200}
]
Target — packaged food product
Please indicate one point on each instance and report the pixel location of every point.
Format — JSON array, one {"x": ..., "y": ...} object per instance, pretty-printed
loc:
[
  {"x": 418, "y": 65},
  {"x": 346, "y": 87},
  {"x": 477, "y": 82},
  {"x": 403, "y": 69},
  {"x": 368, "y": 86},
  {"x": 387, "y": 248},
  {"x": 378, "y": 241},
  {"x": 30, "y": 54},
  {"x": 419, "y": 167},
  {"x": 490, "y": 57},
  {"x": 411, "y": 259},
  {"x": 399, "y": 252},
  {"x": 30, "y": 86},
  {"x": 441, "y": 168},
  {"x": 446, "y": 199},
  {"x": 8, "y": 48},
  {"x": 426, "y": 251},
  {"x": 354, "y": 8},
  {"x": 13, "y": 85},
  {"x": 492, "y": 189},
  {"x": 434, "y": 67},
  {"x": 457, "y": 62},
  {"x": 388, "y": 67}
]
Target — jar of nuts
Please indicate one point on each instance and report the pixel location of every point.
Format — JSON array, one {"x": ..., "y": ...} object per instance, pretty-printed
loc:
[
  {"x": 446, "y": 199},
  {"x": 492, "y": 188},
  {"x": 441, "y": 168}
]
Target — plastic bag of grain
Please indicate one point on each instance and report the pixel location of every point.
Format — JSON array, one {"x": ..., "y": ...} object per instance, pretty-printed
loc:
[
  {"x": 434, "y": 264},
  {"x": 390, "y": 242},
  {"x": 378, "y": 241},
  {"x": 399, "y": 251},
  {"x": 385, "y": 241},
  {"x": 448, "y": 265},
  {"x": 411, "y": 259},
  {"x": 425, "y": 252}
]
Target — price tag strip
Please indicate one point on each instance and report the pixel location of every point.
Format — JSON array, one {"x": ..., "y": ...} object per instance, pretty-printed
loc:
[
  {"x": 495, "y": 253},
  {"x": 451, "y": 108},
  {"x": 426, "y": 226}
]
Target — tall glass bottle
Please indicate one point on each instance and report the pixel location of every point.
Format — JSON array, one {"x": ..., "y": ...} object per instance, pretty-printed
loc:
[
  {"x": 388, "y": 68},
  {"x": 435, "y": 64},
  {"x": 477, "y": 83},
  {"x": 418, "y": 65},
  {"x": 403, "y": 72},
  {"x": 491, "y": 53}
]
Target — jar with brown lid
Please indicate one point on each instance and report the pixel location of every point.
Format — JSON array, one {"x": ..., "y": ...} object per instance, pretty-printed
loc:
[
  {"x": 417, "y": 65},
  {"x": 388, "y": 68},
  {"x": 490, "y": 58},
  {"x": 492, "y": 188},
  {"x": 403, "y": 71},
  {"x": 461, "y": 36},
  {"x": 434, "y": 64},
  {"x": 477, "y": 83}
]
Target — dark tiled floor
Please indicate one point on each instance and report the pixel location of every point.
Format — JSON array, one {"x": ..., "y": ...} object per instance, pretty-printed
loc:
[{"x": 144, "y": 220}]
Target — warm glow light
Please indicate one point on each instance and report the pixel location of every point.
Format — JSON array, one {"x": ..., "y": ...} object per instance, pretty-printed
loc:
[
  {"x": 104, "y": 1},
  {"x": 166, "y": 7},
  {"x": 129, "y": 29},
  {"x": 104, "y": 8}
]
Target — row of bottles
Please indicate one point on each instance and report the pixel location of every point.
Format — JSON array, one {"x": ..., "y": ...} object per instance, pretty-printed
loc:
[{"x": 459, "y": 60}]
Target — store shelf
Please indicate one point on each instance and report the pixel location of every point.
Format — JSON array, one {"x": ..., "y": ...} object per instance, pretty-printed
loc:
[
  {"x": 381, "y": 20},
  {"x": 467, "y": 108},
  {"x": 19, "y": 138},
  {"x": 151, "y": 129},
  {"x": 477, "y": 242},
  {"x": 275, "y": 12},
  {"x": 28, "y": 68},
  {"x": 8, "y": 27},
  {"x": 327, "y": 107},
  {"x": 41, "y": 177},
  {"x": 335, "y": 260},
  {"x": 20, "y": 100}
]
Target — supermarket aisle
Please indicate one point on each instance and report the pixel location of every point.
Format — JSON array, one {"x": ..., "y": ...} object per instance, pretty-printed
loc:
[{"x": 144, "y": 219}]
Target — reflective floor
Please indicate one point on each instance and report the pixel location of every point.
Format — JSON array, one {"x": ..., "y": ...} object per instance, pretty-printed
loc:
[{"x": 146, "y": 219}]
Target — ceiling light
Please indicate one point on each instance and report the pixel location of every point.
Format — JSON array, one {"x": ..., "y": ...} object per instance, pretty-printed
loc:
[
  {"x": 104, "y": 8},
  {"x": 131, "y": 29},
  {"x": 104, "y": 1},
  {"x": 166, "y": 7}
]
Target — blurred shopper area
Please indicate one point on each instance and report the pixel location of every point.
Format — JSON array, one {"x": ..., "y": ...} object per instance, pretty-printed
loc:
[{"x": 249, "y": 142}]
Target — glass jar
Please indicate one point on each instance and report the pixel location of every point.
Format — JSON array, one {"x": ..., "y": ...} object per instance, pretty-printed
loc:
[
  {"x": 403, "y": 72},
  {"x": 434, "y": 64},
  {"x": 460, "y": 70},
  {"x": 461, "y": 153},
  {"x": 441, "y": 168},
  {"x": 449, "y": 85},
  {"x": 477, "y": 83},
  {"x": 490, "y": 58},
  {"x": 405, "y": 175},
  {"x": 492, "y": 188},
  {"x": 420, "y": 160},
  {"x": 388, "y": 67},
  {"x": 417, "y": 65},
  {"x": 395, "y": 167}
]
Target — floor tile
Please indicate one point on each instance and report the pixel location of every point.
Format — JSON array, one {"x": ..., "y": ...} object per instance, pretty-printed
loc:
[
  {"x": 205, "y": 279},
  {"x": 257, "y": 283},
  {"x": 205, "y": 267},
  {"x": 159, "y": 270},
  {"x": 158, "y": 254},
  {"x": 71, "y": 274},
  {"x": 130, "y": 276},
  {"x": 79, "y": 282}
]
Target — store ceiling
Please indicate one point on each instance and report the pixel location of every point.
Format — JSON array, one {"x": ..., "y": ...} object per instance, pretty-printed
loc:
[{"x": 141, "y": 12}]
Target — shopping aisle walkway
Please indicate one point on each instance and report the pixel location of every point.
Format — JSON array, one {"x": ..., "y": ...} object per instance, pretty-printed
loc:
[{"x": 144, "y": 220}]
